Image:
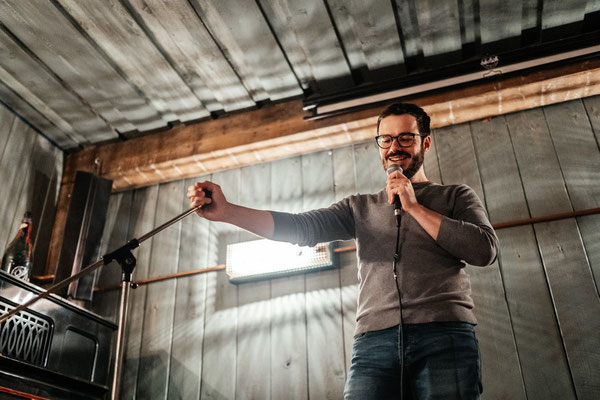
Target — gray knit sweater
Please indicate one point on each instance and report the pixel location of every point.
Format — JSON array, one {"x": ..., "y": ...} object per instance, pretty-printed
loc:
[{"x": 433, "y": 283}]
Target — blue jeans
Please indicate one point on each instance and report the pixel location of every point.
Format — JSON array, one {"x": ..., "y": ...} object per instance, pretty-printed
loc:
[{"x": 441, "y": 361}]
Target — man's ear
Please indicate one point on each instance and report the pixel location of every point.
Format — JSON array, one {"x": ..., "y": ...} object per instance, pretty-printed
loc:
[{"x": 427, "y": 143}]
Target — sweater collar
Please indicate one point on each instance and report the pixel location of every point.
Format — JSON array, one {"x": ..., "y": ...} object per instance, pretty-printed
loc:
[
  {"x": 421, "y": 185},
  {"x": 416, "y": 186}
]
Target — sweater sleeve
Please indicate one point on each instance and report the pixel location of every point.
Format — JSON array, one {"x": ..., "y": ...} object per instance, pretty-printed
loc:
[
  {"x": 468, "y": 234},
  {"x": 335, "y": 222}
]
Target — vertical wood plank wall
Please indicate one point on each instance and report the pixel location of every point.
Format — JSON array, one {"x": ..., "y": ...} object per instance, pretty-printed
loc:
[
  {"x": 30, "y": 172},
  {"x": 291, "y": 338}
]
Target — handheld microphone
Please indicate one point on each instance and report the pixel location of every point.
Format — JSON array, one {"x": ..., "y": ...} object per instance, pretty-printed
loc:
[{"x": 397, "y": 205}]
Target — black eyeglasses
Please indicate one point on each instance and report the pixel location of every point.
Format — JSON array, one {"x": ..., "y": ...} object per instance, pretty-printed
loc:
[{"x": 404, "y": 140}]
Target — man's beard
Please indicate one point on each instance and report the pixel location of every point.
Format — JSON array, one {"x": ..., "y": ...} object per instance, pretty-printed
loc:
[{"x": 415, "y": 162}]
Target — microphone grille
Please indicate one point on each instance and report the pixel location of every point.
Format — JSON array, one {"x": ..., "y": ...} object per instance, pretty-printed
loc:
[{"x": 393, "y": 168}]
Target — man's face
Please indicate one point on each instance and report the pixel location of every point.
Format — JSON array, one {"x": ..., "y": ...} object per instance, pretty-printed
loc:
[{"x": 409, "y": 158}]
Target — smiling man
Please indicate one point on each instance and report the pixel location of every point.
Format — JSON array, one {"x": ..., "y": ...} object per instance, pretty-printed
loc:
[{"x": 414, "y": 335}]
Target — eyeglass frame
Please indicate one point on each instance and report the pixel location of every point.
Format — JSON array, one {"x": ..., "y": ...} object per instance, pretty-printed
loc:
[{"x": 398, "y": 139}]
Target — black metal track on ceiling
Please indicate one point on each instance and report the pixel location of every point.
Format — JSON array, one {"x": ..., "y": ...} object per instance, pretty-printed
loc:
[{"x": 471, "y": 65}]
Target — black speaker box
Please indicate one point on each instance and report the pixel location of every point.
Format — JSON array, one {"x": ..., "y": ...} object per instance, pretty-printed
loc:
[{"x": 83, "y": 233}]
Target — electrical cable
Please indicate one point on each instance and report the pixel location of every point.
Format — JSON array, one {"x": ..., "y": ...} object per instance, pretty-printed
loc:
[{"x": 400, "y": 326}]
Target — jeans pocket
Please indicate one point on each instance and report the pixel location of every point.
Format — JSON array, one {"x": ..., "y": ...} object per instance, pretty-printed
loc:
[{"x": 457, "y": 326}]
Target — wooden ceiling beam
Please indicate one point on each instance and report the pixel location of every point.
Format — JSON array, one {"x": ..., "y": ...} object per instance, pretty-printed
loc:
[{"x": 279, "y": 130}]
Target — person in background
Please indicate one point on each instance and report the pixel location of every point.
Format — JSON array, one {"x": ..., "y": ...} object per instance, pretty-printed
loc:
[{"x": 414, "y": 335}]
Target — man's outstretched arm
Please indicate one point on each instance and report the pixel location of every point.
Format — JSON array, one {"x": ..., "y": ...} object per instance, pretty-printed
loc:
[{"x": 217, "y": 208}]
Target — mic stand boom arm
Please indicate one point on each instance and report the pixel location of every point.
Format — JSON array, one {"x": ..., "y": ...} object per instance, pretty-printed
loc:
[
  {"x": 115, "y": 255},
  {"x": 127, "y": 261}
]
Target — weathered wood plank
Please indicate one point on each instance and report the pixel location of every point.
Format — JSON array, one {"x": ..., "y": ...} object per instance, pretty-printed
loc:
[
  {"x": 431, "y": 165},
  {"x": 33, "y": 116},
  {"x": 458, "y": 164},
  {"x": 15, "y": 93},
  {"x": 344, "y": 180},
  {"x": 577, "y": 152},
  {"x": 21, "y": 201},
  {"x": 196, "y": 56},
  {"x": 220, "y": 327},
  {"x": 504, "y": 199},
  {"x": 470, "y": 31},
  {"x": 369, "y": 34},
  {"x": 576, "y": 301},
  {"x": 141, "y": 221},
  {"x": 439, "y": 26},
  {"x": 115, "y": 31},
  {"x": 543, "y": 183},
  {"x": 499, "y": 19},
  {"x": 289, "y": 377},
  {"x": 345, "y": 21},
  {"x": 157, "y": 334},
  {"x": 572, "y": 130},
  {"x": 567, "y": 271},
  {"x": 7, "y": 119},
  {"x": 41, "y": 89},
  {"x": 529, "y": 19},
  {"x": 541, "y": 355},
  {"x": 349, "y": 293},
  {"x": 344, "y": 172},
  {"x": 304, "y": 30},
  {"x": 557, "y": 12},
  {"x": 409, "y": 26},
  {"x": 253, "y": 361},
  {"x": 78, "y": 64},
  {"x": 29, "y": 192},
  {"x": 323, "y": 306},
  {"x": 369, "y": 173},
  {"x": 455, "y": 143},
  {"x": 576, "y": 294},
  {"x": 222, "y": 18},
  {"x": 592, "y": 6},
  {"x": 589, "y": 226},
  {"x": 17, "y": 153},
  {"x": 542, "y": 359},
  {"x": 188, "y": 322},
  {"x": 115, "y": 233},
  {"x": 592, "y": 107}
]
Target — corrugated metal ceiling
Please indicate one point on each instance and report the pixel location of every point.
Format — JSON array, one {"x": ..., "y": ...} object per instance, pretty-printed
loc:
[{"x": 86, "y": 72}]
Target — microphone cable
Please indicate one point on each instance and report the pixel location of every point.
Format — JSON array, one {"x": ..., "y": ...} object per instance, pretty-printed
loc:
[{"x": 401, "y": 326}]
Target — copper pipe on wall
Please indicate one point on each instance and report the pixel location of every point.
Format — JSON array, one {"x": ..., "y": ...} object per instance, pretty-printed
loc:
[{"x": 164, "y": 277}]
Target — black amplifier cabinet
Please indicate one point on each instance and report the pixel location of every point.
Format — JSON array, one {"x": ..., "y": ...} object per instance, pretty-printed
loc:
[{"x": 54, "y": 349}]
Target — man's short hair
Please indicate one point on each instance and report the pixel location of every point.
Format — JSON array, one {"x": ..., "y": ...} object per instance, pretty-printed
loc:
[{"x": 423, "y": 120}]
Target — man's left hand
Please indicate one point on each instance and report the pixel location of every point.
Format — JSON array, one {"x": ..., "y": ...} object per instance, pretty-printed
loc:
[{"x": 398, "y": 184}]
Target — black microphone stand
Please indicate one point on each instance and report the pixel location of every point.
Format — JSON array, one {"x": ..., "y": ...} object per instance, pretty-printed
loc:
[{"x": 127, "y": 262}]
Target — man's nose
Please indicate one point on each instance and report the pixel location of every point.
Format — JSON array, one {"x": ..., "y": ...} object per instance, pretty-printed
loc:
[{"x": 395, "y": 145}]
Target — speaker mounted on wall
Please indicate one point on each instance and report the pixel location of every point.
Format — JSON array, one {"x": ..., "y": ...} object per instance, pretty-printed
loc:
[{"x": 83, "y": 232}]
